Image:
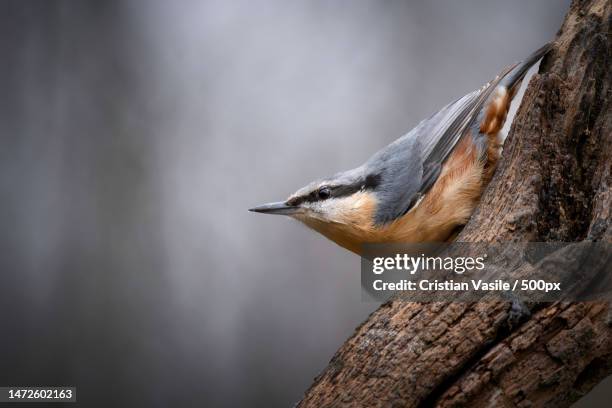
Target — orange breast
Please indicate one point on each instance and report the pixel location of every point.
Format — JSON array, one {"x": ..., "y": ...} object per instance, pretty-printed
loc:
[{"x": 447, "y": 205}]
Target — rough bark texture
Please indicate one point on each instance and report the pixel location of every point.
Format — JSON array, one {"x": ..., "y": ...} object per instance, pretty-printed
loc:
[{"x": 553, "y": 184}]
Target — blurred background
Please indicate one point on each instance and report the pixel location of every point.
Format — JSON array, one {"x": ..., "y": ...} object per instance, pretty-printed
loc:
[{"x": 135, "y": 135}]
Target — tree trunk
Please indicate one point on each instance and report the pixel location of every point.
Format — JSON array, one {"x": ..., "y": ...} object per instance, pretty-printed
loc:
[{"x": 552, "y": 184}]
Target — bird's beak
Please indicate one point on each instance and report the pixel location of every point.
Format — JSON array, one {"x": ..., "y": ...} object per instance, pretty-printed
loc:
[{"x": 276, "y": 208}]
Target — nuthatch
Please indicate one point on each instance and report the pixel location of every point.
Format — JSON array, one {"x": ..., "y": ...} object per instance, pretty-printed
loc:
[{"x": 421, "y": 187}]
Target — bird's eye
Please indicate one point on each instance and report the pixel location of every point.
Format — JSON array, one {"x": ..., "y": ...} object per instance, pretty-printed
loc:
[{"x": 324, "y": 193}]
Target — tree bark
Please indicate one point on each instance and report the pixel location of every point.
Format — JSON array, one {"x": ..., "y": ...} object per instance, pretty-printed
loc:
[{"x": 552, "y": 184}]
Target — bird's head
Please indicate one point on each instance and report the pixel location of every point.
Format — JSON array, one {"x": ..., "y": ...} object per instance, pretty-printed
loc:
[{"x": 341, "y": 207}]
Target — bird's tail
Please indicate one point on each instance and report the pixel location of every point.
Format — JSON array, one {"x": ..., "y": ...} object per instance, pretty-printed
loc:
[
  {"x": 516, "y": 74},
  {"x": 505, "y": 86},
  {"x": 496, "y": 108}
]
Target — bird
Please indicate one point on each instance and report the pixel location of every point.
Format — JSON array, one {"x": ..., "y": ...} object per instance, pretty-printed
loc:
[{"x": 422, "y": 187}]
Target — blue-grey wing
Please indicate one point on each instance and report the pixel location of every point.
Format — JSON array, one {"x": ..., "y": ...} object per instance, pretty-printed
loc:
[{"x": 411, "y": 165}]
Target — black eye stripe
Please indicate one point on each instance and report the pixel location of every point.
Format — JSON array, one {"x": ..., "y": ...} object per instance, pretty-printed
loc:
[
  {"x": 369, "y": 183},
  {"x": 346, "y": 190}
]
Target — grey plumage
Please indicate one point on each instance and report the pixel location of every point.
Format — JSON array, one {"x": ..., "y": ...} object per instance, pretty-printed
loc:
[
  {"x": 402, "y": 172},
  {"x": 409, "y": 166}
]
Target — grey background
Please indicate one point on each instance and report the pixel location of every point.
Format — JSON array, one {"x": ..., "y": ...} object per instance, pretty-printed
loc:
[{"x": 134, "y": 136}]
